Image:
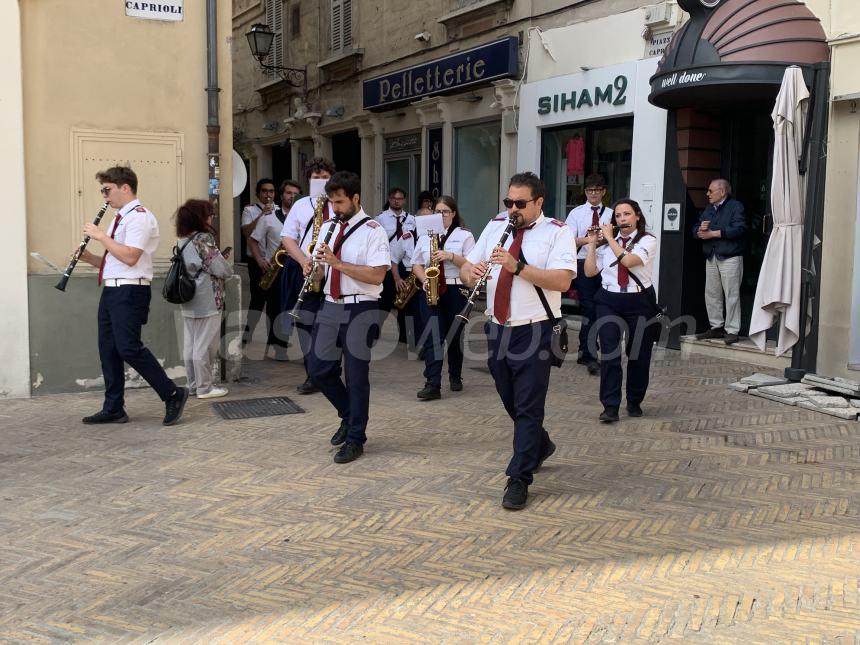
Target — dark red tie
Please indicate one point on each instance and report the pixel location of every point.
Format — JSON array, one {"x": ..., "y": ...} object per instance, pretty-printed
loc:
[
  {"x": 104, "y": 257},
  {"x": 502, "y": 300},
  {"x": 623, "y": 273},
  {"x": 398, "y": 231},
  {"x": 335, "y": 274},
  {"x": 595, "y": 215},
  {"x": 443, "y": 286}
]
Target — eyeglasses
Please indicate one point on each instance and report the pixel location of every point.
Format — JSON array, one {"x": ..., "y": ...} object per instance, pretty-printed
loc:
[
  {"x": 519, "y": 203},
  {"x": 105, "y": 190},
  {"x": 267, "y": 190},
  {"x": 440, "y": 211},
  {"x": 594, "y": 190}
]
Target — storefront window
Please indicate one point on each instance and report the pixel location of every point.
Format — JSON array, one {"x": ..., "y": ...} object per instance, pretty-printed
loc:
[
  {"x": 403, "y": 166},
  {"x": 569, "y": 154},
  {"x": 476, "y": 172}
]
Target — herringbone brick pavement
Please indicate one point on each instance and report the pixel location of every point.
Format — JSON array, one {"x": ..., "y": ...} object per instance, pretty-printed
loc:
[{"x": 717, "y": 517}]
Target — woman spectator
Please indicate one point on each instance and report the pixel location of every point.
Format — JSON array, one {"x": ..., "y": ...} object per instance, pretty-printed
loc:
[
  {"x": 455, "y": 242},
  {"x": 202, "y": 314},
  {"x": 625, "y": 303}
]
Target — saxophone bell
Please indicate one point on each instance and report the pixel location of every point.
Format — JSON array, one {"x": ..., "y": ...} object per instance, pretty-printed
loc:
[{"x": 275, "y": 266}]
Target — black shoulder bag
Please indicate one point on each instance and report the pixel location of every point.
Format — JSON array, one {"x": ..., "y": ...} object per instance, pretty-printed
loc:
[{"x": 558, "y": 341}]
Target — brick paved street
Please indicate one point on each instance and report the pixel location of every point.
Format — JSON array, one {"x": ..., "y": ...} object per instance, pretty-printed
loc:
[{"x": 718, "y": 517}]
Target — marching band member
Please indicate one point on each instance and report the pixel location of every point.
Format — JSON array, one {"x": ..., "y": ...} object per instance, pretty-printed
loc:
[
  {"x": 624, "y": 305},
  {"x": 590, "y": 214},
  {"x": 251, "y": 214},
  {"x": 125, "y": 271},
  {"x": 355, "y": 264},
  {"x": 455, "y": 242},
  {"x": 400, "y": 228},
  {"x": 538, "y": 260},
  {"x": 264, "y": 242},
  {"x": 297, "y": 237}
]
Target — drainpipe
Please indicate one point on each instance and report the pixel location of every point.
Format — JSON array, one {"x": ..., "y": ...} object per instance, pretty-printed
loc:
[{"x": 213, "y": 128}]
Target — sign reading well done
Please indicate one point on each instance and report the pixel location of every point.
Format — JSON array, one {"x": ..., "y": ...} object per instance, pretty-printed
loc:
[
  {"x": 170, "y": 10},
  {"x": 470, "y": 67}
]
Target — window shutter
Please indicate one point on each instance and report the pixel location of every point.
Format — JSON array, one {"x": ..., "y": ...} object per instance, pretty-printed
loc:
[
  {"x": 346, "y": 33},
  {"x": 336, "y": 25},
  {"x": 275, "y": 21}
]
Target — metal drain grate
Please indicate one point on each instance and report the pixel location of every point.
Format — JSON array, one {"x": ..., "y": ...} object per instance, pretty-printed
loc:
[{"x": 252, "y": 408}]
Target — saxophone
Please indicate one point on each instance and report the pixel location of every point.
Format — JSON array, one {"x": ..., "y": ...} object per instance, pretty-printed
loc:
[
  {"x": 319, "y": 210},
  {"x": 432, "y": 272},
  {"x": 406, "y": 295},
  {"x": 275, "y": 266}
]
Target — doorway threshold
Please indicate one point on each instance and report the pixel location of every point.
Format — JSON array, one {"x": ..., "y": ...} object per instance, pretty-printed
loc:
[{"x": 744, "y": 351}]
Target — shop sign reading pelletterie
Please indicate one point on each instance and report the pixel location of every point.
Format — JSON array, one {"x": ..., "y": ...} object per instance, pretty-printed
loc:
[{"x": 170, "y": 10}]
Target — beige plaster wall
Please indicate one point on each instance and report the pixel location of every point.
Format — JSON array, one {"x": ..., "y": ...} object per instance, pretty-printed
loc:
[{"x": 14, "y": 347}]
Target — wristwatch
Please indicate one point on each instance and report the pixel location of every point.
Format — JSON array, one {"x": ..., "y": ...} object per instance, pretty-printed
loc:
[{"x": 520, "y": 266}]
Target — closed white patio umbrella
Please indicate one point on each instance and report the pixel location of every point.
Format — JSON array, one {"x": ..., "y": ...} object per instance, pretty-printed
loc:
[{"x": 777, "y": 294}]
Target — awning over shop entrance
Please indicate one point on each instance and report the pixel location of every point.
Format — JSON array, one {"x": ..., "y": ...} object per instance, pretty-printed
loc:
[{"x": 737, "y": 50}]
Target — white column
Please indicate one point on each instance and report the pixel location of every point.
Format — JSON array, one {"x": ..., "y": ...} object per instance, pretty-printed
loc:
[
  {"x": 15, "y": 321},
  {"x": 505, "y": 98}
]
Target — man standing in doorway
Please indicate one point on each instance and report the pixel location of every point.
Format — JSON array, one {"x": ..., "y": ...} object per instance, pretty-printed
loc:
[
  {"x": 589, "y": 215},
  {"x": 250, "y": 216},
  {"x": 722, "y": 229}
]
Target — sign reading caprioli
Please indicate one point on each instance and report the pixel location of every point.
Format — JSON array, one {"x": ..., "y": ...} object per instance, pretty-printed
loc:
[{"x": 171, "y": 10}]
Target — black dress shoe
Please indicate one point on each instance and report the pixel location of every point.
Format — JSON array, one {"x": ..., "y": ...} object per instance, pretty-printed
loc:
[
  {"x": 634, "y": 410},
  {"x": 716, "y": 332},
  {"x": 609, "y": 415},
  {"x": 348, "y": 452},
  {"x": 593, "y": 368},
  {"x": 731, "y": 339},
  {"x": 174, "y": 406},
  {"x": 104, "y": 416},
  {"x": 516, "y": 494},
  {"x": 456, "y": 384},
  {"x": 340, "y": 436},
  {"x": 547, "y": 453},
  {"x": 307, "y": 387},
  {"x": 582, "y": 360},
  {"x": 429, "y": 393}
]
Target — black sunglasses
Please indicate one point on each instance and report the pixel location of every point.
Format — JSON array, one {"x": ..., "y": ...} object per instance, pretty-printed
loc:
[{"x": 519, "y": 203}]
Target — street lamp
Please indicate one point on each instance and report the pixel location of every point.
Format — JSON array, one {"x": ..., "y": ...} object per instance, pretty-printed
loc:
[{"x": 260, "y": 39}]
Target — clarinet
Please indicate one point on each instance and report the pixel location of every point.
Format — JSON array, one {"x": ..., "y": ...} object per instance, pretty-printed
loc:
[
  {"x": 61, "y": 285},
  {"x": 309, "y": 278},
  {"x": 470, "y": 304}
]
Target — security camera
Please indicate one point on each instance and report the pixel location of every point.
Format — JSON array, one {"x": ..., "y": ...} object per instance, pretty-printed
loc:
[{"x": 423, "y": 37}]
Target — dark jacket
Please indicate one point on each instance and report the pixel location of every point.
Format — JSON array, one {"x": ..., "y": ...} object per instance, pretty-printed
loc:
[{"x": 728, "y": 218}]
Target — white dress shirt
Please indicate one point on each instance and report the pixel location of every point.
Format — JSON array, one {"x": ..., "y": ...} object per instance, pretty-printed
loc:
[
  {"x": 403, "y": 249},
  {"x": 138, "y": 229},
  {"x": 579, "y": 221},
  {"x": 645, "y": 249},
  {"x": 547, "y": 244},
  {"x": 459, "y": 241},
  {"x": 368, "y": 246},
  {"x": 389, "y": 222},
  {"x": 267, "y": 234},
  {"x": 297, "y": 225}
]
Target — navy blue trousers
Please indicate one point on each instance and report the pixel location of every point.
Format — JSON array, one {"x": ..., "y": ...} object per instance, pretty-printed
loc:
[
  {"x": 519, "y": 360},
  {"x": 291, "y": 282},
  {"x": 586, "y": 290},
  {"x": 345, "y": 332},
  {"x": 619, "y": 313},
  {"x": 436, "y": 323},
  {"x": 123, "y": 311},
  {"x": 305, "y": 324}
]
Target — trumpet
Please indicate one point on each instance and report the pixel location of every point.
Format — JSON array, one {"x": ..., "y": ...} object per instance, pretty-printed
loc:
[
  {"x": 470, "y": 303},
  {"x": 432, "y": 272},
  {"x": 275, "y": 266},
  {"x": 61, "y": 285},
  {"x": 309, "y": 278}
]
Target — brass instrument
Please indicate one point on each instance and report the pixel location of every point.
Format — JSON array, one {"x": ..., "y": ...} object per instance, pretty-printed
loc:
[
  {"x": 61, "y": 285},
  {"x": 319, "y": 213},
  {"x": 432, "y": 272},
  {"x": 470, "y": 304},
  {"x": 309, "y": 278},
  {"x": 406, "y": 295},
  {"x": 275, "y": 266}
]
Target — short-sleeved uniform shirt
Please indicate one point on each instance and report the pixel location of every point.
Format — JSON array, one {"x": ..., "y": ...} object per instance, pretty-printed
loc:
[
  {"x": 645, "y": 248},
  {"x": 368, "y": 246},
  {"x": 267, "y": 234},
  {"x": 458, "y": 241},
  {"x": 579, "y": 221},
  {"x": 137, "y": 228}
]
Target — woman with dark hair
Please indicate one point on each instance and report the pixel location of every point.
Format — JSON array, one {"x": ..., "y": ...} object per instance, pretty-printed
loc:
[
  {"x": 202, "y": 314},
  {"x": 425, "y": 203},
  {"x": 625, "y": 304},
  {"x": 454, "y": 243}
]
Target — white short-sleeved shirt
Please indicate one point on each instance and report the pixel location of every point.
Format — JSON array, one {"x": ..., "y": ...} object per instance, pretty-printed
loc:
[
  {"x": 138, "y": 229},
  {"x": 403, "y": 249},
  {"x": 579, "y": 221},
  {"x": 297, "y": 225},
  {"x": 459, "y": 241},
  {"x": 267, "y": 233},
  {"x": 368, "y": 246},
  {"x": 547, "y": 244},
  {"x": 389, "y": 222},
  {"x": 250, "y": 213},
  {"x": 645, "y": 248}
]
